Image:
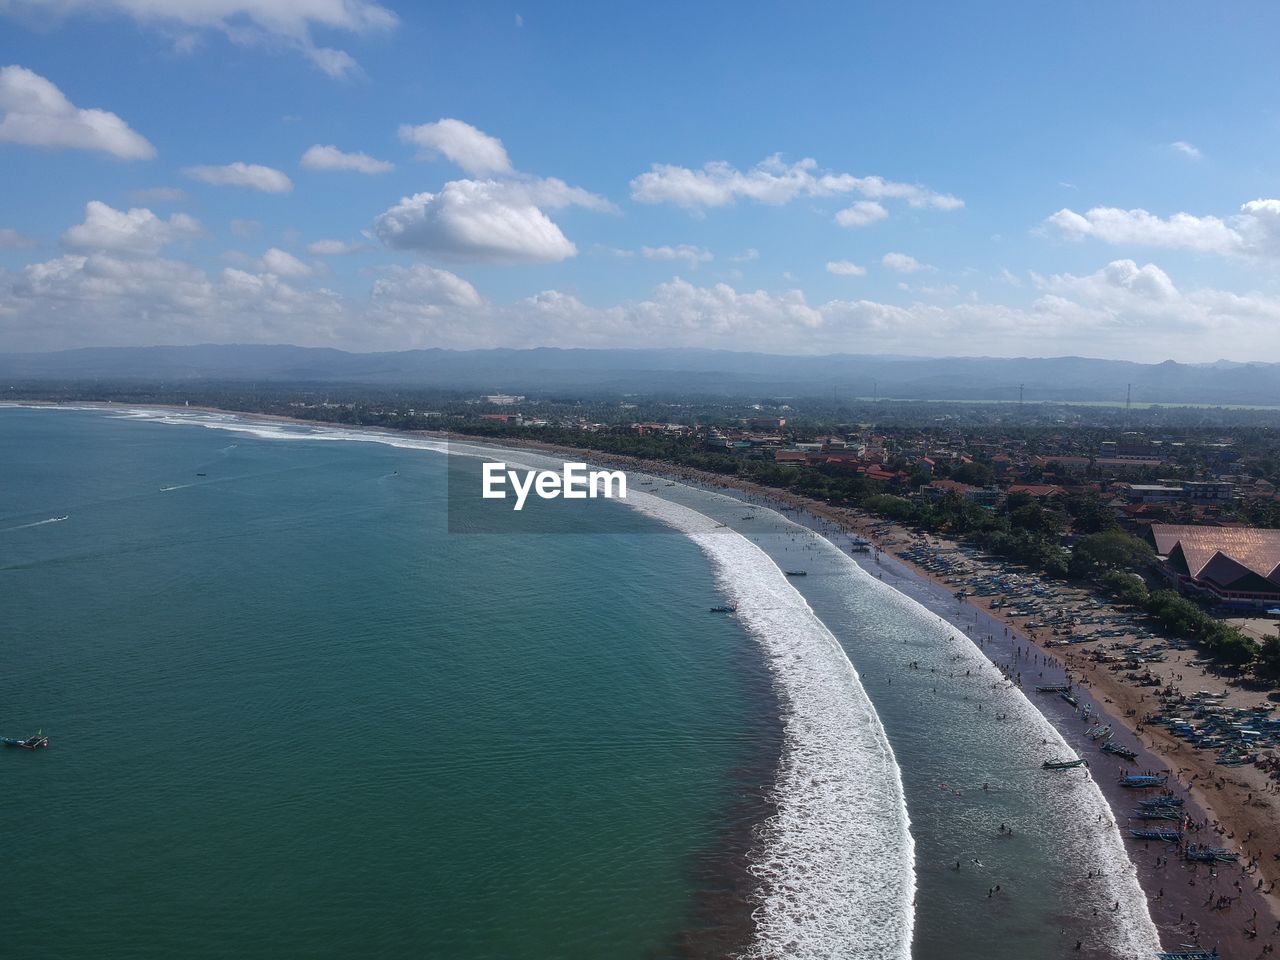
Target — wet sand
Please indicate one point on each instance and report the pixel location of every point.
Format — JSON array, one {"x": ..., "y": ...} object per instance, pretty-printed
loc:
[{"x": 1237, "y": 807}]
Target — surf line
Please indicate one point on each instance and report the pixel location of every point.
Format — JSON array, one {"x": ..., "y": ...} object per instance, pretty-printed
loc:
[{"x": 837, "y": 862}]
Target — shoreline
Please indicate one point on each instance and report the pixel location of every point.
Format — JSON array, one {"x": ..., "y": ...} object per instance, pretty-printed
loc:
[{"x": 1234, "y": 807}]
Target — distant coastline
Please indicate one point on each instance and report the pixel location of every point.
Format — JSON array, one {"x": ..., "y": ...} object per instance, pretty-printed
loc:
[{"x": 1101, "y": 690}]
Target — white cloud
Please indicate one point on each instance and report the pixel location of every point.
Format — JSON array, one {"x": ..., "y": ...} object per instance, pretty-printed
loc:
[
  {"x": 251, "y": 175},
  {"x": 1186, "y": 149},
  {"x": 37, "y": 114},
  {"x": 485, "y": 220},
  {"x": 128, "y": 231},
  {"x": 333, "y": 248},
  {"x": 11, "y": 239},
  {"x": 861, "y": 214},
  {"x": 772, "y": 181},
  {"x": 320, "y": 157},
  {"x": 751, "y": 253},
  {"x": 684, "y": 252},
  {"x": 474, "y": 151},
  {"x": 1124, "y": 309},
  {"x": 901, "y": 263},
  {"x": 263, "y": 23},
  {"x": 1253, "y": 232},
  {"x": 281, "y": 263},
  {"x": 845, "y": 268}
]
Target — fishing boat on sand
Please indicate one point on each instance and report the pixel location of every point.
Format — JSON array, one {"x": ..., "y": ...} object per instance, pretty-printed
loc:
[
  {"x": 1064, "y": 764},
  {"x": 37, "y": 742},
  {"x": 1054, "y": 688},
  {"x": 1167, "y": 800},
  {"x": 1141, "y": 781},
  {"x": 1119, "y": 751},
  {"x": 1199, "y": 854},
  {"x": 1069, "y": 697},
  {"x": 1192, "y": 955},
  {"x": 1168, "y": 836}
]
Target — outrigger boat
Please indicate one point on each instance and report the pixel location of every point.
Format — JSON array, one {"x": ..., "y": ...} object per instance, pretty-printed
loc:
[
  {"x": 1157, "y": 813},
  {"x": 727, "y": 608},
  {"x": 1064, "y": 764},
  {"x": 1141, "y": 781},
  {"x": 1067, "y": 696},
  {"x": 1099, "y": 732},
  {"x": 1168, "y": 800},
  {"x": 1169, "y": 836},
  {"x": 1209, "y": 854},
  {"x": 1119, "y": 751},
  {"x": 1057, "y": 688},
  {"x": 38, "y": 742}
]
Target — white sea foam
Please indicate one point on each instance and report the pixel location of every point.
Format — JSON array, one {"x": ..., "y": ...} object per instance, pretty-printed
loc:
[
  {"x": 1091, "y": 834},
  {"x": 837, "y": 861}
]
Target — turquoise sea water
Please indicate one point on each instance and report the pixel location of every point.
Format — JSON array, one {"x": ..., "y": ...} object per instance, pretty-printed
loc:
[
  {"x": 296, "y": 710},
  {"x": 292, "y": 716}
]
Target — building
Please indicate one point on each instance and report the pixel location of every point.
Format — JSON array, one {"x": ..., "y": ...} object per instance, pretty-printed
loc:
[{"x": 1232, "y": 566}]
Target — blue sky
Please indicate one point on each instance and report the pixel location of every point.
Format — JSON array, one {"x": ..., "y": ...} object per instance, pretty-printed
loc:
[{"x": 929, "y": 178}]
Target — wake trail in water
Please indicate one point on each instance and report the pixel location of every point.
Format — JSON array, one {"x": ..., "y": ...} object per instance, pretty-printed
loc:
[{"x": 38, "y": 523}]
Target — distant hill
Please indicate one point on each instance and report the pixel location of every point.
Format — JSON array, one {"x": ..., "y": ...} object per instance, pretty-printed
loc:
[{"x": 678, "y": 371}]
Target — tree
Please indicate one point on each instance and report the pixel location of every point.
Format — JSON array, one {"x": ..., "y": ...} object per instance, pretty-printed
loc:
[{"x": 1109, "y": 550}]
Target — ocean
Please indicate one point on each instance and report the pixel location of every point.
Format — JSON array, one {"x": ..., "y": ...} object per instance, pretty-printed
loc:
[{"x": 297, "y": 708}]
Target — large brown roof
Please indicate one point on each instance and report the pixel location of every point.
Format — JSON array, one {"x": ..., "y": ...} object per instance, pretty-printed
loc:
[{"x": 1220, "y": 553}]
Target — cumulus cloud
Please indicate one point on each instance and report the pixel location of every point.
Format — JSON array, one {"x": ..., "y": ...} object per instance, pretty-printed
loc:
[
  {"x": 37, "y": 114},
  {"x": 861, "y": 214},
  {"x": 265, "y": 23},
  {"x": 1186, "y": 149},
  {"x": 281, "y": 263},
  {"x": 474, "y": 151},
  {"x": 251, "y": 175},
  {"x": 845, "y": 268},
  {"x": 1125, "y": 308},
  {"x": 333, "y": 248},
  {"x": 1253, "y": 232},
  {"x": 901, "y": 263},
  {"x": 772, "y": 181},
  {"x": 485, "y": 220},
  {"x": 684, "y": 252},
  {"x": 320, "y": 157},
  {"x": 137, "y": 230}
]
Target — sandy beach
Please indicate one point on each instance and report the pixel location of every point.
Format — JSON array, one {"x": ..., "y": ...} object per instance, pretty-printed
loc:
[{"x": 1234, "y": 907}]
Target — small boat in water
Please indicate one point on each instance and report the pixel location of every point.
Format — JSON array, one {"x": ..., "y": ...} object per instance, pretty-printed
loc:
[
  {"x": 1064, "y": 764},
  {"x": 38, "y": 742},
  {"x": 797, "y": 573},
  {"x": 1069, "y": 697},
  {"x": 727, "y": 608}
]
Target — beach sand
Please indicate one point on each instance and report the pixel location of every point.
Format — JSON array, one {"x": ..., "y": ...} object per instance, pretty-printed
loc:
[{"x": 1239, "y": 807}]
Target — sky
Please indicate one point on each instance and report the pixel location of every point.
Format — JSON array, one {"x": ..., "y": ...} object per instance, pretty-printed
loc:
[{"x": 922, "y": 178}]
